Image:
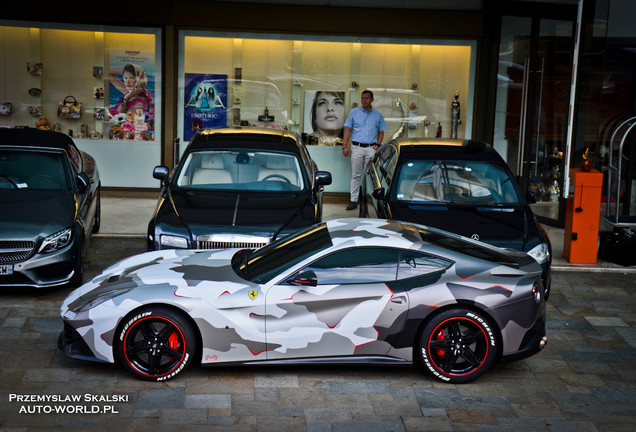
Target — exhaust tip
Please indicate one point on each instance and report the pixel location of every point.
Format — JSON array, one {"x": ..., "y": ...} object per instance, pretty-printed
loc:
[{"x": 544, "y": 342}]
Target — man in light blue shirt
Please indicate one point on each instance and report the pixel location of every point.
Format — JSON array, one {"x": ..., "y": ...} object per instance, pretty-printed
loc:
[{"x": 365, "y": 128}]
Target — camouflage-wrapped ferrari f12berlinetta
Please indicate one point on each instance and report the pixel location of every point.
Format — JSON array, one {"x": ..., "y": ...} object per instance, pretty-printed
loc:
[{"x": 348, "y": 290}]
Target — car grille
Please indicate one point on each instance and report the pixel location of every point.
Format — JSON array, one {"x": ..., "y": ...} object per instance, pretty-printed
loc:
[
  {"x": 227, "y": 245},
  {"x": 226, "y": 241},
  {"x": 16, "y": 251}
]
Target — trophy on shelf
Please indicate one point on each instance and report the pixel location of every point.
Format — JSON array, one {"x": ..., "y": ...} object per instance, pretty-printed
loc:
[
  {"x": 586, "y": 164},
  {"x": 554, "y": 191}
]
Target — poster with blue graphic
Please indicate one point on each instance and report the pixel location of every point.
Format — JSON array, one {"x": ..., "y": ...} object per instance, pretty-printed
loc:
[{"x": 205, "y": 103}]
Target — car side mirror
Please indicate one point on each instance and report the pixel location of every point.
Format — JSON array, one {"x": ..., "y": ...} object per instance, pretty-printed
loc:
[
  {"x": 304, "y": 278},
  {"x": 378, "y": 194},
  {"x": 160, "y": 173},
  {"x": 82, "y": 181},
  {"x": 322, "y": 178},
  {"x": 530, "y": 198}
]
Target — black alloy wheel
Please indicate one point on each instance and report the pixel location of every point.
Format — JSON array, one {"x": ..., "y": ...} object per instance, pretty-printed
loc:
[
  {"x": 457, "y": 346},
  {"x": 155, "y": 344}
]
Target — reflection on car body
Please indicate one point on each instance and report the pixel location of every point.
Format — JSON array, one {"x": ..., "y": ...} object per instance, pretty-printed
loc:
[
  {"x": 460, "y": 186},
  {"x": 344, "y": 291},
  {"x": 49, "y": 206},
  {"x": 237, "y": 187}
]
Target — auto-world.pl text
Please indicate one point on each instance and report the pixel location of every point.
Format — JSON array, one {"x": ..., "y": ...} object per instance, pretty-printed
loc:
[{"x": 67, "y": 404}]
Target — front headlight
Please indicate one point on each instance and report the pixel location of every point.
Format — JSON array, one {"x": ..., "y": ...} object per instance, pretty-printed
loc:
[
  {"x": 541, "y": 253},
  {"x": 56, "y": 241},
  {"x": 174, "y": 241}
]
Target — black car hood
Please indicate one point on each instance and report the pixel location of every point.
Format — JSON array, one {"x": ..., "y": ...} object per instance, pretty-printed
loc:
[
  {"x": 28, "y": 214},
  {"x": 499, "y": 226},
  {"x": 204, "y": 210}
]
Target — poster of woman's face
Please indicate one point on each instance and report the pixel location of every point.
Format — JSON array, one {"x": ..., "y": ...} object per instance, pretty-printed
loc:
[{"x": 324, "y": 113}]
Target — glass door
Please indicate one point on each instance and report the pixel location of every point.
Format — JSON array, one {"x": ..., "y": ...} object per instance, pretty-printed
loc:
[{"x": 533, "y": 95}]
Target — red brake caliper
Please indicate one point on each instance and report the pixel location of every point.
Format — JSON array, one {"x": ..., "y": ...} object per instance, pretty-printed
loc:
[
  {"x": 440, "y": 336},
  {"x": 173, "y": 341}
]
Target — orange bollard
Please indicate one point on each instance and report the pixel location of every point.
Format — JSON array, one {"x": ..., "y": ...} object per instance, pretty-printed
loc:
[{"x": 582, "y": 214}]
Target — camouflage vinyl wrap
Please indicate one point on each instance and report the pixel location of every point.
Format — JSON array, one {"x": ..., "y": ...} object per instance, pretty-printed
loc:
[{"x": 241, "y": 321}]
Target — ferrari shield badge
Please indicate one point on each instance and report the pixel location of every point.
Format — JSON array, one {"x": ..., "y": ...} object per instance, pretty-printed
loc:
[{"x": 253, "y": 294}]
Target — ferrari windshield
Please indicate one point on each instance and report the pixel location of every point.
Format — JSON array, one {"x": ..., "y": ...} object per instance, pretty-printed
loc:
[
  {"x": 240, "y": 170},
  {"x": 263, "y": 264},
  {"x": 43, "y": 170},
  {"x": 455, "y": 182}
]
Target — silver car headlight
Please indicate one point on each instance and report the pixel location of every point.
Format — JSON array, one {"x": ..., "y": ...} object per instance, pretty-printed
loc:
[
  {"x": 541, "y": 253},
  {"x": 56, "y": 241},
  {"x": 174, "y": 241}
]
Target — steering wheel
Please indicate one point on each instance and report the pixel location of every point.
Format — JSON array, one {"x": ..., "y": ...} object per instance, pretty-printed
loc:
[
  {"x": 276, "y": 177},
  {"x": 10, "y": 180}
]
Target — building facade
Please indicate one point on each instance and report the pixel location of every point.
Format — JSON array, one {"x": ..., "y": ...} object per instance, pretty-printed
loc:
[{"x": 515, "y": 74}]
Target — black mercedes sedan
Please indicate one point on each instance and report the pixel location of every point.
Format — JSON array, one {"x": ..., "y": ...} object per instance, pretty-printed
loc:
[
  {"x": 461, "y": 186},
  {"x": 237, "y": 187},
  {"x": 49, "y": 206}
]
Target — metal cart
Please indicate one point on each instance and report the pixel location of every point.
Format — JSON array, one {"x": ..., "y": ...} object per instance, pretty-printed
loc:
[{"x": 614, "y": 170}]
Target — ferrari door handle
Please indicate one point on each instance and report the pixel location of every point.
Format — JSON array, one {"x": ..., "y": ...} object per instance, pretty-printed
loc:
[{"x": 398, "y": 300}]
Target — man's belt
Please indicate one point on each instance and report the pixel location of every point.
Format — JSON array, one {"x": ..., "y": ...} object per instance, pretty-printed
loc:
[{"x": 359, "y": 144}]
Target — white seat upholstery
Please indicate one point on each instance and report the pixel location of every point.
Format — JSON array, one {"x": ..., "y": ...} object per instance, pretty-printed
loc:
[
  {"x": 279, "y": 166},
  {"x": 211, "y": 171}
]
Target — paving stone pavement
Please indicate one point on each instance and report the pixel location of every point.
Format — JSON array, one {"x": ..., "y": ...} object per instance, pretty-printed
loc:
[{"x": 585, "y": 379}]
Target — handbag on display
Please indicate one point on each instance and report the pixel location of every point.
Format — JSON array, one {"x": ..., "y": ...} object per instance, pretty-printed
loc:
[
  {"x": 69, "y": 108},
  {"x": 5, "y": 108},
  {"x": 35, "y": 110}
]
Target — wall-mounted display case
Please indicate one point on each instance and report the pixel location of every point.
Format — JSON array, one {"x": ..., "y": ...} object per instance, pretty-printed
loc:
[{"x": 99, "y": 85}]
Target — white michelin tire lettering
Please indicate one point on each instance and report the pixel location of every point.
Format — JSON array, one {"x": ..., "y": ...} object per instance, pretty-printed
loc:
[
  {"x": 434, "y": 356},
  {"x": 138, "y": 366},
  {"x": 131, "y": 322}
]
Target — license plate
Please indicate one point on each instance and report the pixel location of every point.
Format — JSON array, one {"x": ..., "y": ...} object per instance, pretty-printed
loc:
[{"x": 6, "y": 270}]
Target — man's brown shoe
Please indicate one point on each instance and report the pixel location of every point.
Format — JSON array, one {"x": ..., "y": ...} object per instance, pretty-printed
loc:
[{"x": 352, "y": 205}]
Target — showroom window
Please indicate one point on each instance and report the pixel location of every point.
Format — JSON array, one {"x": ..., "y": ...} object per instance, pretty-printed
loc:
[
  {"x": 283, "y": 81},
  {"x": 99, "y": 85},
  {"x": 273, "y": 82}
]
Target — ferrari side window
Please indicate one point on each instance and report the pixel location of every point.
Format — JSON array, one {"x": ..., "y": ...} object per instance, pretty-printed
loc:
[
  {"x": 359, "y": 265},
  {"x": 414, "y": 264}
]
